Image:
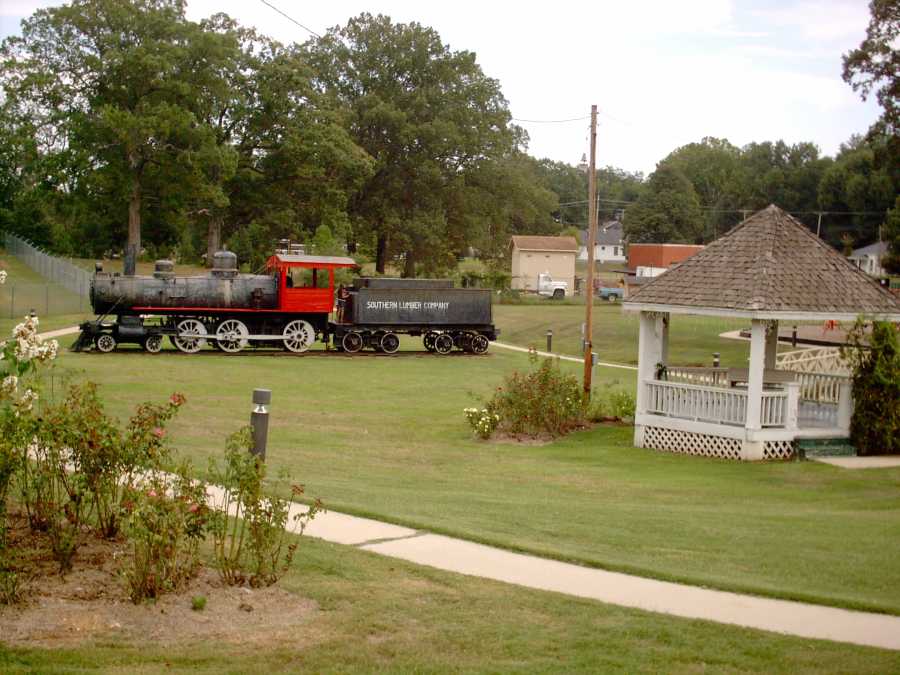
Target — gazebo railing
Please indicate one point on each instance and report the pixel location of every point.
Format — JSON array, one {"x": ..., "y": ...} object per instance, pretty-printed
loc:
[
  {"x": 715, "y": 377},
  {"x": 714, "y": 404},
  {"x": 697, "y": 402},
  {"x": 821, "y": 387},
  {"x": 817, "y": 387}
]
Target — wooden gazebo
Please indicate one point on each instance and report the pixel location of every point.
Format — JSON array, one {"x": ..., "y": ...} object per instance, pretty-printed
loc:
[{"x": 769, "y": 268}]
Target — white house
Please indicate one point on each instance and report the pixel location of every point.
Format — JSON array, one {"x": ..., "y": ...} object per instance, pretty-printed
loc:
[
  {"x": 770, "y": 268},
  {"x": 609, "y": 245},
  {"x": 868, "y": 258}
]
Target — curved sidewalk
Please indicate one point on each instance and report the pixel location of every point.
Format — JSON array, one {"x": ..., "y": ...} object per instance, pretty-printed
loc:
[{"x": 691, "y": 602}]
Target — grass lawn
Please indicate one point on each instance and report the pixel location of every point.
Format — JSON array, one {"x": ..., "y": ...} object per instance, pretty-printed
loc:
[
  {"x": 377, "y": 614},
  {"x": 692, "y": 339},
  {"x": 385, "y": 436},
  {"x": 25, "y": 290}
]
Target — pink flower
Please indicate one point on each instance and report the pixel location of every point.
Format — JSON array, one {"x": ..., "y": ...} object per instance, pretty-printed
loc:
[
  {"x": 193, "y": 508},
  {"x": 159, "y": 432},
  {"x": 151, "y": 493}
]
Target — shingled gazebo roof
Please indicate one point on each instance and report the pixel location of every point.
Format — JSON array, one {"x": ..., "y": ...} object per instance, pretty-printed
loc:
[{"x": 768, "y": 267}]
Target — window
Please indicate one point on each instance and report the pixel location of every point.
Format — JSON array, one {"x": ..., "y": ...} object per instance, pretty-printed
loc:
[{"x": 303, "y": 277}]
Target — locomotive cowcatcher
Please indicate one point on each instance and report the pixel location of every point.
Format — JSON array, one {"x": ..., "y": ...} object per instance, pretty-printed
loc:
[{"x": 288, "y": 306}]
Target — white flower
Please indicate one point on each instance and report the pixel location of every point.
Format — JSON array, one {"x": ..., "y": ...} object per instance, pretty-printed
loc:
[
  {"x": 9, "y": 385},
  {"x": 2, "y": 276}
]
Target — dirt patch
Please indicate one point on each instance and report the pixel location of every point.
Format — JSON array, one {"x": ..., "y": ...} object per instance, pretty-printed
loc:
[{"x": 91, "y": 603}]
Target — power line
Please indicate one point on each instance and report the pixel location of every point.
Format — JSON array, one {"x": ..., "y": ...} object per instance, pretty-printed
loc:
[
  {"x": 290, "y": 18},
  {"x": 573, "y": 119},
  {"x": 714, "y": 209}
]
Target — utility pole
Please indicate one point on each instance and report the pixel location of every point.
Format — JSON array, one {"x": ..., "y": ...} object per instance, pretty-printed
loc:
[{"x": 592, "y": 234}]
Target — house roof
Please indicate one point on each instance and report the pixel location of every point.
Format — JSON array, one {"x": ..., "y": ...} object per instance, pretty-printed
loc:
[
  {"x": 768, "y": 267},
  {"x": 877, "y": 249},
  {"x": 609, "y": 233},
  {"x": 301, "y": 260},
  {"x": 560, "y": 244}
]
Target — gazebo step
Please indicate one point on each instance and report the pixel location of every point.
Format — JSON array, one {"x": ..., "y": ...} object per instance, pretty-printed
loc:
[{"x": 824, "y": 447}]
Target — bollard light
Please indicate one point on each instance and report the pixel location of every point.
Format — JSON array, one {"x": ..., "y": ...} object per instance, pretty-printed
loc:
[
  {"x": 715, "y": 359},
  {"x": 549, "y": 340},
  {"x": 259, "y": 421}
]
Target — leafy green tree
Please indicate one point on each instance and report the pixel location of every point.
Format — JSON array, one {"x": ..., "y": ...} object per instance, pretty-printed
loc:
[
  {"x": 875, "y": 65},
  {"x": 667, "y": 212},
  {"x": 296, "y": 167},
  {"x": 875, "y": 361},
  {"x": 891, "y": 234},
  {"x": 713, "y": 168},
  {"x": 426, "y": 115},
  {"x": 113, "y": 88},
  {"x": 856, "y": 182}
]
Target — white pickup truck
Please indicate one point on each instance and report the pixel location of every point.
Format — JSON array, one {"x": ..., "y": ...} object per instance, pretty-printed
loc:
[{"x": 550, "y": 288}]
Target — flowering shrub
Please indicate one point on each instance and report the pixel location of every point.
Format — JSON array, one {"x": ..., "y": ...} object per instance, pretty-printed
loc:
[
  {"x": 248, "y": 529},
  {"x": 483, "y": 421},
  {"x": 165, "y": 523},
  {"x": 20, "y": 358},
  {"x": 542, "y": 402}
]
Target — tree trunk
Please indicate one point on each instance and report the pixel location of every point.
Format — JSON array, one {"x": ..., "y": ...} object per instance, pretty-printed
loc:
[
  {"x": 214, "y": 238},
  {"x": 381, "y": 253},
  {"x": 133, "y": 249},
  {"x": 409, "y": 267}
]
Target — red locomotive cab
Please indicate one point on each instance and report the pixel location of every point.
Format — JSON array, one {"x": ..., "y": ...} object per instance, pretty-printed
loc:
[{"x": 306, "y": 282}]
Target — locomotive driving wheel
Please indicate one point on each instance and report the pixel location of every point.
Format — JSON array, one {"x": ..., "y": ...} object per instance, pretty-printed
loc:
[
  {"x": 232, "y": 336},
  {"x": 191, "y": 336},
  {"x": 352, "y": 342},
  {"x": 299, "y": 336}
]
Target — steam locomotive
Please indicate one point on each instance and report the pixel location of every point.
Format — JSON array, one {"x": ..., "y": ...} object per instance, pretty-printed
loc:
[{"x": 290, "y": 306}]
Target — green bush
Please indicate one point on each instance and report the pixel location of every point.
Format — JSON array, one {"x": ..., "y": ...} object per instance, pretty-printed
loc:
[
  {"x": 611, "y": 403},
  {"x": 542, "y": 402},
  {"x": 875, "y": 425},
  {"x": 165, "y": 525},
  {"x": 247, "y": 527}
]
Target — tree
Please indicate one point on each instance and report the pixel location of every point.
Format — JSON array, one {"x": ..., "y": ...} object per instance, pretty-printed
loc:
[
  {"x": 891, "y": 233},
  {"x": 713, "y": 168},
  {"x": 295, "y": 165},
  {"x": 428, "y": 116},
  {"x": 112, "y": 89},
  {"x": 875, "y": 64},
  {"x": 667, "y": 212},
  {"x": 875, "y": 362},
  {"x": 856, "y": 182}
]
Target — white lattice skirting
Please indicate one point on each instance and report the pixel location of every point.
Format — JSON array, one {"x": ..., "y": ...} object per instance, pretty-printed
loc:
[
  {"x": 778, "y": 450},
  {"x": 708, "y": 445}
]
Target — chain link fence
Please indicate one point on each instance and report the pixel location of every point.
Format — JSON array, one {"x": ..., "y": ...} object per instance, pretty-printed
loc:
[{"x": 67, "y": 291}]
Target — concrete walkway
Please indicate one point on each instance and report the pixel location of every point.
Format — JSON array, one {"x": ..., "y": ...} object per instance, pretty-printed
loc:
[
  {"x": 875, "y": 462},
  {"x": 466, "y": 557},
  {"x": 576, "y": 359},
  {"x": 59, "y": 333}
]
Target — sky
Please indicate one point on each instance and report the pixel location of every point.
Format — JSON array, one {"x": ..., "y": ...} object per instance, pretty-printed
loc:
[{"x": 662, "y": 73}]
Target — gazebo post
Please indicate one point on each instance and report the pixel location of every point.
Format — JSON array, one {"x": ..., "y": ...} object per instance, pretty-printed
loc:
[
  {"x": 653, "y": 338},
  {"x": 771, "y": 344},
  {"x": 753, "y": 449}
]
